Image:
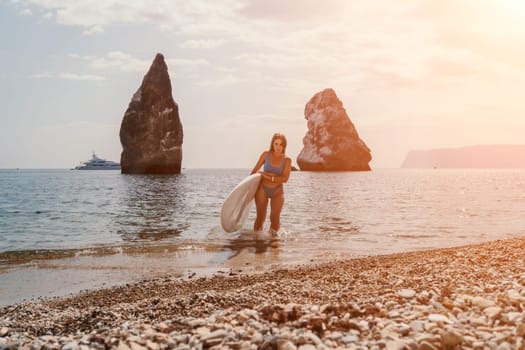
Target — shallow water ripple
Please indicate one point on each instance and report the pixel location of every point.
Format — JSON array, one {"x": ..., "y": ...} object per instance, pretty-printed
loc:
[{"x": 373, "y": 212}]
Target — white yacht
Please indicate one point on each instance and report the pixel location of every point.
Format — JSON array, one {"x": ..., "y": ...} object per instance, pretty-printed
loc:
[{"x": 96, "y": 163}]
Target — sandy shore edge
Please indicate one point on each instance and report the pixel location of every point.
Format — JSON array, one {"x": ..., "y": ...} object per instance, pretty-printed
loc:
[{"x": 465, "y": 297}]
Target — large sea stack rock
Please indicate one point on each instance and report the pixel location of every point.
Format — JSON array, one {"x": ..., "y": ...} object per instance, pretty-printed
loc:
[
  {"x": 331, "y": 142},
  {"x": 151, "y": 131}
]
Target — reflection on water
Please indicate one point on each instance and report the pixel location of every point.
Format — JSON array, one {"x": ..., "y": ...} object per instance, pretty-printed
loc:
[
  {"x": 374, "y": 212},
  {"x": 258, "y": 243},
  {"x": 154, "y": 224},
  {"x": 150, "y": 208}
]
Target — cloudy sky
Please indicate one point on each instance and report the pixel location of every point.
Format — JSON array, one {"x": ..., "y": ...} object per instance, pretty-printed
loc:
[{"x": 412, "y": 74}]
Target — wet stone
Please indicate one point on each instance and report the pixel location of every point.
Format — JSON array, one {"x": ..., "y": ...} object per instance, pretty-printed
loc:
[{"x": 458, "y": 309}]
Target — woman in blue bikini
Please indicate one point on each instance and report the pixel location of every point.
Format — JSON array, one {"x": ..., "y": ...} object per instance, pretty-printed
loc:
[{"x": 276, "y": 171}]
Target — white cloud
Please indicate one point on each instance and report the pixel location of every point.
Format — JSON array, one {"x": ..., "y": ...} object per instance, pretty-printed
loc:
[
  {"x": 202, "y": 44},
  {"x": 244, "y": 120},
  {"x": 80, "y": 57},
  {"x": 187, "y": 16},
  {"x": 188, "y": 64},
  {"x": 347, "y": 43},
  {"x": 418, "y": 58},
  {"x": 354, "y": 44},
  {"x": 26, "y": 12},
  {"x": 291, "y": 10},
  {"x": 67, "y": 76},
  {"x": 79, "y": 125},
  {"x": 316, "y": 38},
  {"x": 93, "y": 30},
  {"x": 121, "y": 61},
  {"x": 115, "y": 60},
  {"x": 43, "y": 75},
  {"x": 74, "y": 76},
  {"x": 226, "y": 80}
]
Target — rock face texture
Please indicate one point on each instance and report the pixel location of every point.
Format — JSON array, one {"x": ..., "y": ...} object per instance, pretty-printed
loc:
[
  {"x": 331, "y": 142},
  {"x": 151, "y": 131}
]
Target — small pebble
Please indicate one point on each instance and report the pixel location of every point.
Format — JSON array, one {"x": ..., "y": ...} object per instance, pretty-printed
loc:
[{"x": 473, "y": 299}]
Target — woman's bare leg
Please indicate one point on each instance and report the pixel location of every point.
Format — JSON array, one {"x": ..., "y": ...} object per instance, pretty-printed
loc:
[
  {"x": 261, "y": 204},
  {"x": 276, "y": 205}
]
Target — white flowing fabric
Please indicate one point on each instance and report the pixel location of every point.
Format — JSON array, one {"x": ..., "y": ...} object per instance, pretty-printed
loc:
[{"x": 237, "y": 204}]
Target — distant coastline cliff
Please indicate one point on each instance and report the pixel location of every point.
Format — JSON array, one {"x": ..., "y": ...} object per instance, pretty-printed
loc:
[{"x": 482, "y": 156}]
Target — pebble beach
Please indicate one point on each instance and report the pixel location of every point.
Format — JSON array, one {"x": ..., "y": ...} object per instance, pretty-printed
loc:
[{"x": 469, "y": 297}]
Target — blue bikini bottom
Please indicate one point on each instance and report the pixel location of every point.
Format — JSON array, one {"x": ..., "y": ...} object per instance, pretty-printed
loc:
[{"x": 270, "y": 191}]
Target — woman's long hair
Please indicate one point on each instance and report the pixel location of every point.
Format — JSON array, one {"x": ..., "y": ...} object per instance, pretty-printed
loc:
[{"x": 282, "y": 138}]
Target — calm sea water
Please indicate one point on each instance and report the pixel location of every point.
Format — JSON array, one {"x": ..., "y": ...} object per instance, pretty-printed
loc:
[{"x": 63, "y": 213}]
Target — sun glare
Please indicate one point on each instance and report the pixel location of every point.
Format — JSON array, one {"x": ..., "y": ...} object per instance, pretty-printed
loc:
[
  {"x": 509, "y": 8},
  {"x": 513, "y": 4}
]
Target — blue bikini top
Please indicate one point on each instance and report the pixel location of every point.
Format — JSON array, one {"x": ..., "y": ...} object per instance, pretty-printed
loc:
[{"x": 271, "y": 169}]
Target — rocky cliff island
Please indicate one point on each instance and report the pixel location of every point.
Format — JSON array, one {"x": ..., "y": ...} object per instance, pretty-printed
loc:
[
  {"x": 483, "y": 156},
  {"x": 151, "y": 131},
  {"x": 331, "y": 142}
]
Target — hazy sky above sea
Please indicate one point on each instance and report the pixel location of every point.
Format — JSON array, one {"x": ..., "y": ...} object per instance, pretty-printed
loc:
[{"x": 412, "y": 74}]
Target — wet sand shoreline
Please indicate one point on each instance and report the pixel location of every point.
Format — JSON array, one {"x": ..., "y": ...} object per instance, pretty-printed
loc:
[
  {"x": 468, "y": 297},
  {"x": 29, "y": 275}
]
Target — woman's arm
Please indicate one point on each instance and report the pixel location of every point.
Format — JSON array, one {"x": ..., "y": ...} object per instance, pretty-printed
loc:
[
  {"x": 260, "y": 162},
  {"x": 285, "y": 175}
]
